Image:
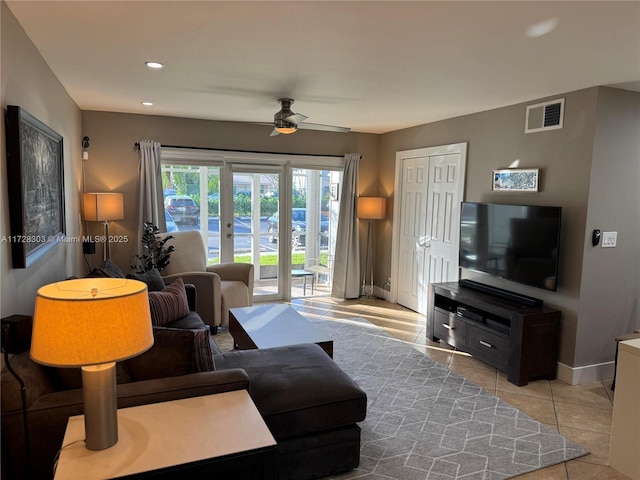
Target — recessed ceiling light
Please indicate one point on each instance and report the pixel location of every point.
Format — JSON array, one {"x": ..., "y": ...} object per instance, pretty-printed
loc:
[
  {"x": 542, "y": 28},
  {"x": 147, "y": 104},
  {"x": 154, "y": 64}
]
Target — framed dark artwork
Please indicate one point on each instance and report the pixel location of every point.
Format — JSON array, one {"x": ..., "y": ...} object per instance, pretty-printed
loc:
[{"x": 35, "y": 178}]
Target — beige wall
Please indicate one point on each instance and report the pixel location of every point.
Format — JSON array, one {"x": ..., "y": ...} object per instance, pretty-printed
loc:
[
  {"x": 591, "y": 169},
  {"x": 495, "y": 139},
  {"x": 28, "y": 82},
  {"x": 610, "y": 286},
  {"x": 113, "y": 160}
]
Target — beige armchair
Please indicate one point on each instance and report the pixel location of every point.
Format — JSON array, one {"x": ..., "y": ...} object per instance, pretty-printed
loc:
[{"x": 218, "y": 287}]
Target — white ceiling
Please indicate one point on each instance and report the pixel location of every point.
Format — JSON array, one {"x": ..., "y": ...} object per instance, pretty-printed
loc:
[{"x": 373, "y": 66}]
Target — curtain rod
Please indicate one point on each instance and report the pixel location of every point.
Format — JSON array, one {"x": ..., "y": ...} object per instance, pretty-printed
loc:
[{"x": 137, "y": 145}]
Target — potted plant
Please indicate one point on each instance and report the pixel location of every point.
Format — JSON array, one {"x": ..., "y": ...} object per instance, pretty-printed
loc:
[{"x": 156, "y": 254}]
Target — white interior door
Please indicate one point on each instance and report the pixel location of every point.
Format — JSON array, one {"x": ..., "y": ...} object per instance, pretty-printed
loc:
[
  {"x": 443, "y": 217},
  {"x": 412, "y": 234},
  {"x": 430, "y": 185}
]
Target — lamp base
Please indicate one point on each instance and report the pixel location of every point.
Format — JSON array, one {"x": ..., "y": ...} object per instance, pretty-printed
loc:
[
  {"x": 367, "y": 289},
  {"x": 106, "y": 246},
  {"x": 100, "y": 406}
]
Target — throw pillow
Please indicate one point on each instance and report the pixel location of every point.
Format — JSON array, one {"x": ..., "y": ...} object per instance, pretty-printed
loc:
[
  {"x": 168, "y": 305},
  {"x": 203, "y": 352},
  {"x": 172, "y": 354},
  {"x": 152, "y": 278},
  {"x": 108, "y": 269}
]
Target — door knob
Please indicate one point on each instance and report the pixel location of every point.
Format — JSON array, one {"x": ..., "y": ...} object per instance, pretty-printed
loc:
[{"x": 424, "y": 242}]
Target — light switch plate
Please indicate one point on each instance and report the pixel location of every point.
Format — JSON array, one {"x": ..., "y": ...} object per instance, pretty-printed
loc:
[{"x": 609, "y": 239}]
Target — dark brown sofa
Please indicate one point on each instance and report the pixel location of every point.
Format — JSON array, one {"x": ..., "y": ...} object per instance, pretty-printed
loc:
[
  {"x": 49, "y": 406},
  {"x": 310, "y": 405}
]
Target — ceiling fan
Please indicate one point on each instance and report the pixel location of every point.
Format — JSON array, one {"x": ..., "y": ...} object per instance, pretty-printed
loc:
[{"x": 287, "y": 122}]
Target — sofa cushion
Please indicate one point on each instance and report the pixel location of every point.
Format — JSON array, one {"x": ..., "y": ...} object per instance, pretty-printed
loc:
[
  {"x": 33, "y": 374},
  {"x": 152, "y": 278},
  {"x": 168, "y": 305},
  {"x": 203, "y": 354},
  {"x": 172, "y": 354},
  {"x": 298, "y": 389},
  {"x": 191, "y": 321},
  {"x": 107, "y": 269}
]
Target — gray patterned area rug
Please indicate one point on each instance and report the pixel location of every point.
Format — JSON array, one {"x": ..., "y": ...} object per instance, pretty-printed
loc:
[{"x": 426, "y": 422}]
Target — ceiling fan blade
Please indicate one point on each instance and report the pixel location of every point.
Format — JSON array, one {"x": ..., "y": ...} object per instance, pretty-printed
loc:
[
  {"x": 327, "y": 128},
  {"x": 296, "y": 118},
  {"x": 274, "y": 133}
]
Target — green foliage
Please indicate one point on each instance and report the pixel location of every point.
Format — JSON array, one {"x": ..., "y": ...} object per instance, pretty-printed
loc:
[
  {"x": 213, "y": 207},
  {"x": 242, "y": 205},
  {"x": 299, "y": 201},
  {"x": 156, "y": 255},
  {"x": 272, "y": 259},
  {"x": 213, "y": 183},
  {"x": 268, "y": 206}
]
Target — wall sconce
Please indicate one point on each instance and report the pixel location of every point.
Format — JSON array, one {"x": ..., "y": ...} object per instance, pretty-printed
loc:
[
  {"x": 103, "y": 207},
  {"x": 370, "y": 208}
]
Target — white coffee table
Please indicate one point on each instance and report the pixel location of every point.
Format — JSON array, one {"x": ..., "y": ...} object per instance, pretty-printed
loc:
[
  {"x": 274, "y": 325},
  {"x": 188, "y": 438}
]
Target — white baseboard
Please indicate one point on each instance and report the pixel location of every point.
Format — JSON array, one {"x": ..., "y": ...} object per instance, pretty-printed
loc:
[
  {"x": 586, "y": 374},
  {"x": 381, "y": 293}
]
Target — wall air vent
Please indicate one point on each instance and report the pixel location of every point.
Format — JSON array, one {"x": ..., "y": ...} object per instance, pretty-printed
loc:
[{"x": 544, "y": 116}]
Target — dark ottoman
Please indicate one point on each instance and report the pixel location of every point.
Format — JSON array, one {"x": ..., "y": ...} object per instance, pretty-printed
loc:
[{"x": 310, "y": 405}]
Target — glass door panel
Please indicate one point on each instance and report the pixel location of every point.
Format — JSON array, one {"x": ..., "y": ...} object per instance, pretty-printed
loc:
[
  {"x": 314, "y": 221},
  {"x": 192, "y": 202},
  {"x": 255, "y": 204},
  {"x": 212, "y": 232}
]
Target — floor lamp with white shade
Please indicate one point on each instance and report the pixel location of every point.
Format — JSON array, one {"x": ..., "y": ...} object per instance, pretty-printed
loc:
[
  {"x": 370, "y": 208},
  {"x": 103, "y": 207}
]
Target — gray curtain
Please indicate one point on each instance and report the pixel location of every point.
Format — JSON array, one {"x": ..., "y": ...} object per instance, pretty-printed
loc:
[
  {"x": 346, "y": 267},
  {"x": 150, "y": 208}
]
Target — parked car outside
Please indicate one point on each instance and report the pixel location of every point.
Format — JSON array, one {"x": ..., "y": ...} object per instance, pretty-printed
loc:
[
  {"x": 182, "y": 208},
  {"x": 171, "y": 224},
  {"x": 298, "y": 227}
]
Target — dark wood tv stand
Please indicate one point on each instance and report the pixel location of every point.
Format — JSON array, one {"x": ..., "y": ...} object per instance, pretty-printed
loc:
[{"x": 521, "y": 341}]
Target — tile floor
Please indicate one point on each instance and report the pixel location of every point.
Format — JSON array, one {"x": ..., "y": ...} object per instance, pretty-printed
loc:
[{"x": 580, "y": 412}]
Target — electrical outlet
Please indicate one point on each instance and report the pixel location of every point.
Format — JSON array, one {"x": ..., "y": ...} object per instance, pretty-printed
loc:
[
  {"x": 88, "y": 248},
  {"x": 609, "y": 239}
]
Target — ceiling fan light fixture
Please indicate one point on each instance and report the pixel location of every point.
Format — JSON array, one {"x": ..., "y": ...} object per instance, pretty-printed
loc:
[
  {"x": 287, "y": 122},
  {"x": 285, "y": 128}
]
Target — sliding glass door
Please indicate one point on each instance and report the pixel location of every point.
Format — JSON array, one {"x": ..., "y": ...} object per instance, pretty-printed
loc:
[
  {"x": 255, "y": 197},
  {"x": 278, "y": 215}
]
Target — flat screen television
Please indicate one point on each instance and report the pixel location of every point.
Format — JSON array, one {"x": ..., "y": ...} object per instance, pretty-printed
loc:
[{"x": 514, "y": 242}]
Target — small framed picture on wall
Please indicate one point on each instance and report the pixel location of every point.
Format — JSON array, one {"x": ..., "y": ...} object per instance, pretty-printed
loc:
[{"x": 516, "y": 180}]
